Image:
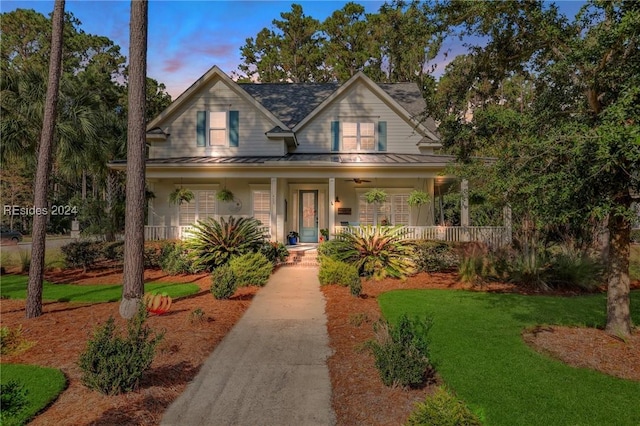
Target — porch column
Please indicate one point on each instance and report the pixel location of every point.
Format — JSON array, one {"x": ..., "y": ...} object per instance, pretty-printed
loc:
[
  {"x": 464, "y": 209},
  {"x": 273, "y": 225},
  {"x": 332, "y": 206}
]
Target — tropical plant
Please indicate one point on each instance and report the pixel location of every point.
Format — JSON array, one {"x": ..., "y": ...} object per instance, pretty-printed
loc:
[
  {"x": 375, "y": 195},
  {"x": 214, "y": 242},
  {"x": 274, "y": 251},
  {"x": 377, "y": 251},
  {"x": 181, "y": 195}
]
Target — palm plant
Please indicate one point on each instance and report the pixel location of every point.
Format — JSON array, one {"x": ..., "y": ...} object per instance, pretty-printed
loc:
[
  {"x": 214, "y": 242},
  {"x": 377, "y": 251}
]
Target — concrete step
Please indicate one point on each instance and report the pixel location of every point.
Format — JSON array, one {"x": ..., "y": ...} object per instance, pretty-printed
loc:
[{"x": 302, "y": 257}]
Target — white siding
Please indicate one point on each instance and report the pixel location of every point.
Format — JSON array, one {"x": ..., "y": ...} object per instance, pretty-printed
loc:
[
  {"x": 181, "y": 127},
  {"x": 358, "y": 104}
]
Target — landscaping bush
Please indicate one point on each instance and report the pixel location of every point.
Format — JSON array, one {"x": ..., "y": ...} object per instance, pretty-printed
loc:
[
  {"x": 329, "y": 249},
  {"x": 377, "y": 251},
  {"x": 214, "y": 242},
  {"x": 81, "y": 254},
  {"x": 114, "y": 364},
  {"x": 13, "y": 399},
  {"x": 275, "y": 252},
  {"x": 574, "y": 269},
  {"x": 251, "y": 269},
  {"x": 113, "y": 250},
  {"x": 355, "y": 285},
  {"x": 401, "y": 352},
  {"x": 635, "y": 236},
  {"x": 435, "y": 256},
  {"x": 223, "y": 282},
  {"x": 442, "y": 409},
  {"x": 337, "y": 272},
  {"x": 12, "y": 341},
  {"x": 174, "y": 259}
]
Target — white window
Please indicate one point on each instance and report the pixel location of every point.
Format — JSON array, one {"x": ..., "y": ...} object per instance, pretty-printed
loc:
[
  {"x": 217, "y": 128},
  {"x": 394, "y": 211},
  {"x": 358, "y": 136},
  {"x": 262, "y": 206},
  {"x": 201, "y": 207}
]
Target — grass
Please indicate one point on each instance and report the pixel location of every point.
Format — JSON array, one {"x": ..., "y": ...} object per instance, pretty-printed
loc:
[
  {"x": 634, "y": 262},
  {"x": 478, "y": 350},
  {"x": 43, "y": 386},
  {"x": 15, "y": 287}
]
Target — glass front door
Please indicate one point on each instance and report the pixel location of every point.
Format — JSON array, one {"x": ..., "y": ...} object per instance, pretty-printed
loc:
[{"x": 308, "y": 216}]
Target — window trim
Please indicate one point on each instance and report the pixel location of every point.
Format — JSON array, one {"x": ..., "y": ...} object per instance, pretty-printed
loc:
[{"x": 358, "y": 148}]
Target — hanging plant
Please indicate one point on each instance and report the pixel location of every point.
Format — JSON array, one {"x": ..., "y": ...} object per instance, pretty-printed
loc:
[
  {"x": 225, "y": 195},
  {"x": 375, "y": 195},
  {"x": 418, "y": 198},
  {"x": 181, "y": 195}
]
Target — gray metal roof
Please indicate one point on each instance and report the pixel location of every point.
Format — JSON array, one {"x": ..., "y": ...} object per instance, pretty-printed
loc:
[
  {"x": 292, "y": 102},
  {"x": 329, "y": 158}
]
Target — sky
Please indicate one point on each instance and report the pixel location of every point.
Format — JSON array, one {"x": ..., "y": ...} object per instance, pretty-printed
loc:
[{"x": 186, "y": 38}]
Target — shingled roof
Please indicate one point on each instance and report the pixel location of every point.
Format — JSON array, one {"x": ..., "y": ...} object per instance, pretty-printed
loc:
[{"x": 292, "y": 102}]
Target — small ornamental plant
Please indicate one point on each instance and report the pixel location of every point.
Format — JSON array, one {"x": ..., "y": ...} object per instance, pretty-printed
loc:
[
  {"x": 225, "y": 195},
  {"x": 375, "y": 195}
]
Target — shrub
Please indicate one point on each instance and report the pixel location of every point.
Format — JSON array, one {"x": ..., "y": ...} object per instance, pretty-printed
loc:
[
  {"x": 442, "y": 409},
  {"x": 113, "y": 250},
  {"x": 12, "y": 341},
  {"x": 401, "y": 352},
  {"x": 174, "y": 259},
  {"x": 196, "y": 316},
  {"x": 330, "y": 249},
  {"x": 223, "y": 282},
  {"x": 81, "y": 254},
  {"x": 336, "y": 272},
  {"x": 25, "y": 261},
  {"x": 634, "y": 237},
  {"x": 275, "y": 252},
  {"x": 355, "y": 285},
  {"x": 251, "y": 269},
  {"x": 153, "y": 252},
  {"x": 435, "y": 256},
  {"x": 114, "y": 364},
  {"x": 214, "y": 242},
  {"x": 574, "y": 269},
  {"x": 529, "y": 266},
  {"x": 377, "y": 251},
  {"x": 13, "y": 399}
]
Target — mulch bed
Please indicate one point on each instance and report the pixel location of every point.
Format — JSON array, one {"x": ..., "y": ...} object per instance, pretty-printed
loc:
[{"x": 359, "y": 397}]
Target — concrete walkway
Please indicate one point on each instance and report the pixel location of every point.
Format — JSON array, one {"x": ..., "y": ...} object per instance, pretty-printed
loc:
[{"x": 271, "y": 368}]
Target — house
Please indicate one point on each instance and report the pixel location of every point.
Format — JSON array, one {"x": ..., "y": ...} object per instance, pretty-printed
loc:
[{"x": 298, "y": 157}]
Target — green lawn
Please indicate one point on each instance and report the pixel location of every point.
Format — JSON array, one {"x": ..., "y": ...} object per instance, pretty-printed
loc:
[
  {"x": 634, "y": 262},
  {"x": 43, "y": 386},
  {"x": 15, "y": 287},
  {"x": 478, "y": 350}
]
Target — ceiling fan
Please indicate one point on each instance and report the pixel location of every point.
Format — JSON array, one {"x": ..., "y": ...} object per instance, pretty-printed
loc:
[{"x": 356, "y": 180}]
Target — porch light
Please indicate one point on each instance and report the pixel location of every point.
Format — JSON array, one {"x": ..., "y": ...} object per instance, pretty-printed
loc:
[{"x": 337, "y": 199}]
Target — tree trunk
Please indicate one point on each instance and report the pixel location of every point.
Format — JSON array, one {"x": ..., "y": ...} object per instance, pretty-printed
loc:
[
  {"x": 133, "y": 276},
  {"x": 36, "y": 269},
  {"x": 618, "y": 308}
]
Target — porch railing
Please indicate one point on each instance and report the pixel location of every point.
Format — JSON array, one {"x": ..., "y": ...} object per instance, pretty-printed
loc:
[
  {"x": 494, "y": 236},
  {"x": 155, "y": 233}
]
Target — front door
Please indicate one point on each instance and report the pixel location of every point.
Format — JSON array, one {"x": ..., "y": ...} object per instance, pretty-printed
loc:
[{"x": 308, "y": 216}]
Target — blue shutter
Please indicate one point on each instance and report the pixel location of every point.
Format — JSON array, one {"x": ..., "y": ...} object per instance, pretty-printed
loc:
[
  {"x": 335, "y": 136},
  {"x": 234, "y": 134},
  {"x": 382, "y": 135},
  {"x": 201, "y": 128}
]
